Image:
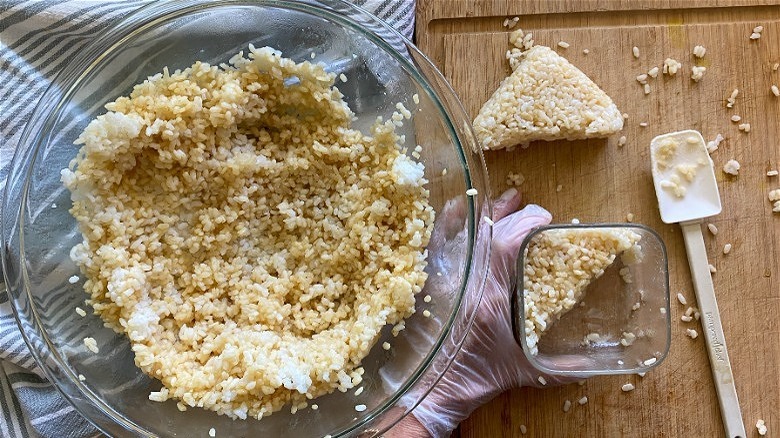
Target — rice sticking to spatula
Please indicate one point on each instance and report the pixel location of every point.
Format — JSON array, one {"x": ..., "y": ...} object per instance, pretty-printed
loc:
[{"x": 687, "y": 192}]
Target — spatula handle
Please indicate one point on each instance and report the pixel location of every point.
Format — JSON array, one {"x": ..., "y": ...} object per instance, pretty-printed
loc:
[{"x": 713, "y": 330}]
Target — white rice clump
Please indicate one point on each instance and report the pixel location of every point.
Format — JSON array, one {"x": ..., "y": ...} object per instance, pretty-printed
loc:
[
  {"x": 249, "y": 242},
  {"x": 560, "y": 264}
]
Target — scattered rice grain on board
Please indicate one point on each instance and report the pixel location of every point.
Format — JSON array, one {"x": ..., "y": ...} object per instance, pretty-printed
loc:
[
  {"x": 360, "y": 408},
  {"x": 583, "y": 400},
  {"x": 713, "y": 229},
  {"x": 212, "y": 432},
  {"x": 731, "y": 167},
  {"x": 697, "y": 72},
  {"x": 643, "y": 124},
  {"x": 542, "y": 380},
  {"x": 622, "y": 141},
  {"x": 732, "y": 99},
  {"x": 73, "y": 279},
  {"x": 691, "y": 333},
  {"x": 775, "y": 90},
  {"x": 627, "y": 387},
  {"x": 647, "y": 89},
  {"x": 523, "y": 429},
  {"x": 81, "y": 312},
  {"x": 515, "y": 179},
  {"x": 699, "y": 51},
  {"x": 755, "y": 36},
  {"x": 686, "y": 318},
  {"x": 713, "y": 269},
  {"x": 761, "y": 427},
  {"x": 653, "y": 72},
  {"x": 563, "y": 44},
  {"x": 774, "y": 195},
  {"x": 635, "y": 51},
  {"x": 671, "y": 66},
  {"x": 566, "y": 405},
  {"x": 681, "y": 299},
  {"x": 735, "y": 118},
  {"x": 585, "y": 51},
  {"x": 726, "y": 248},
  {"x": 713, "y": 145},
  {"x": 745, "y": 127},
  {"x": 772, "y": 173},
  {"x": 471, "y": 192},
  {"x": 758, "y": 29},
  {"x": 642, "y": 78},
  {"x": 630, "y": 217}
]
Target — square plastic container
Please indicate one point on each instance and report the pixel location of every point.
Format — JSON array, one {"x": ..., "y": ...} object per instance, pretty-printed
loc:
[{"x": 621, "y": 325}]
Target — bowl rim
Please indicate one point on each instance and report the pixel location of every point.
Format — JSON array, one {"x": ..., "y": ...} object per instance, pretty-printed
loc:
[{"x": 51, "y": 105}]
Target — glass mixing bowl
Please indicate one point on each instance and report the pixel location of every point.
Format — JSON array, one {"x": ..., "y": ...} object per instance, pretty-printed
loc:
[{"x": 383, "y": 69}]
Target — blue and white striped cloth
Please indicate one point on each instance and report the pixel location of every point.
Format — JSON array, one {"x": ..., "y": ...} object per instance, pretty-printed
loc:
[{"x": 37, "y": 37}]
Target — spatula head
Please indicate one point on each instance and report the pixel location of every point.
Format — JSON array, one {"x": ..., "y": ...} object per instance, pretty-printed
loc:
[{"x": 684, "y": 177}]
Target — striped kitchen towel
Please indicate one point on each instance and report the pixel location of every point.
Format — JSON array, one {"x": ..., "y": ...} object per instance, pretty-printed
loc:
[{"x": 37, "y": 38}]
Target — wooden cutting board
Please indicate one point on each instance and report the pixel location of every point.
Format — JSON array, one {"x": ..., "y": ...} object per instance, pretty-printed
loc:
[{"x": 596, "y": 181}]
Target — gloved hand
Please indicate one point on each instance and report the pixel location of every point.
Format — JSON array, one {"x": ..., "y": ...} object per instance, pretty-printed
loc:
[{"x": 490, "y": 360}]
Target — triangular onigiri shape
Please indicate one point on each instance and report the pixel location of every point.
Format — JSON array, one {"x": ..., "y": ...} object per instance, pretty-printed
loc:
[
  {"x": 559, "y": 266},
  {"x": 545, "y": 98}
]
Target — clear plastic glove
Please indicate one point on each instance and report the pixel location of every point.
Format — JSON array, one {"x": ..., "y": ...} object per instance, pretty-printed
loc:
[{"x": 490, "y": 360}]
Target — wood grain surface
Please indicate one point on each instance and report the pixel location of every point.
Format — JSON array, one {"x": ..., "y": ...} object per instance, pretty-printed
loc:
[{"x": 597, "y": 181}]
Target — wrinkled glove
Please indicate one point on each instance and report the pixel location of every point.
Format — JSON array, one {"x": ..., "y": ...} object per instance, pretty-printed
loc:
[{"x": 490, "y": 360}]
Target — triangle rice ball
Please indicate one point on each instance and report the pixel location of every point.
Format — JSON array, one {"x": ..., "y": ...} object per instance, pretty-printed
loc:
[{"x": 545, "y": 98}]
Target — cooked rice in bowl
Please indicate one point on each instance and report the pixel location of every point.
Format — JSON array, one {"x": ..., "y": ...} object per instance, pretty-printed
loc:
[{"x": 248, "y": 242}]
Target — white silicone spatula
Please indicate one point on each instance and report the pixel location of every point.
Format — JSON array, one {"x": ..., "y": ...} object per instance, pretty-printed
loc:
[{"x": 687, "y": 192}]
